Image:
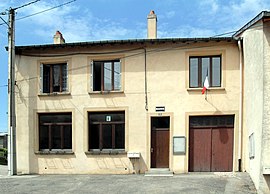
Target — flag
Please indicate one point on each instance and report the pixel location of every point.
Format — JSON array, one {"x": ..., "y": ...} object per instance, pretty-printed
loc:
[{"x": 205, "y": 85}]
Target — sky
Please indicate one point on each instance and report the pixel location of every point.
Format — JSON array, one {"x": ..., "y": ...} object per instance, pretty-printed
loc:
[{"x": 90, "y": 20}]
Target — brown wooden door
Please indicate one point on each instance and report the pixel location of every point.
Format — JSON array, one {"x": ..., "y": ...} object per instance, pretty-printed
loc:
[
  {"x": 200, "y": 150},
  {"x": 222, "y": 150},
  {"x": 160, "y": 148},
  {"x": 211, "y": 149}
]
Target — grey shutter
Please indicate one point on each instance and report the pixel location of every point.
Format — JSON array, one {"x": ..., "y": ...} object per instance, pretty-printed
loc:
[
  {"x": 91, "y": 76},
  {"x": 67, "y": 85},
  {"x": 120, "y": 76},
  {"x": 41, "y": 78}
]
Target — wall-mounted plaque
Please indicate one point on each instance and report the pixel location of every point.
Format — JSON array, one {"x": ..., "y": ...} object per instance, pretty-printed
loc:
[{"x": 179, "y": 145}]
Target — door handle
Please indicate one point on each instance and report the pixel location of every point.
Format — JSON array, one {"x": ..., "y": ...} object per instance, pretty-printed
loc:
[{"x": 152, "y": 150}]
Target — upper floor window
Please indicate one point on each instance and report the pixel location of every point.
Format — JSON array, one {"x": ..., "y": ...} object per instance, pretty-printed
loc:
[
  {"x": 200, "y": 67},
  {"x": 55, "y": 131},
  {"x": 53, "y": 78},
  {"x": 106, "y": 75}
]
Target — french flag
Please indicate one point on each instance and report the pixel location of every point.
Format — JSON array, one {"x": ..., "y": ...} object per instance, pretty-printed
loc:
[{"x": 205, "y": 85}]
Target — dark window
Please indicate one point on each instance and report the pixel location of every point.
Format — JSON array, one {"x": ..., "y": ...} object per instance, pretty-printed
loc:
[
  {"x": 55, "y": 131},
  {"x": 211, "y": 121},
  {"x": 106, "y": 75},
  {"x": 200, "y": 67},
  {"x": 53, "y": 77},
  {"x": 106, "y": 130},
  {"x": 160, "y": 122}
]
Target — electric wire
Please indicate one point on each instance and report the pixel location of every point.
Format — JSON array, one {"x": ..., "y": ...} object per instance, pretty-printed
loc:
[
  {"x": 5, "y": 13},
  {"x": 128, "y": 56},
  {"x": 27, "y": 4},
  {"x": 217, "y": 35},
  {"x": 133, "y": 55},
  {"x": 4, "y": 21},
  {"x": 225, "y": 33},
  {"x": 141, "y": 53},
  {"x": 86, "y": 53},
  {"x": 255, "y": 27},
  {"x": 49, "y": 9},
  {"x": 46, "y": 10}
]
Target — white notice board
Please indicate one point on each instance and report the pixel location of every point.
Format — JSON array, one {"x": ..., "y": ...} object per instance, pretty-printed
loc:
[{"x": 179, "y": 145}]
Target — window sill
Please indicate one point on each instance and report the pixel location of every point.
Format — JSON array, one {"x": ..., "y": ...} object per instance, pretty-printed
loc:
[
  {"x": 106, "y": 92},
  {"x": 54, "y": 94},
  {"x": 62, "y": 152},
  {"x": 106, "y": 152},
  {"x": 209, "y": 89}
]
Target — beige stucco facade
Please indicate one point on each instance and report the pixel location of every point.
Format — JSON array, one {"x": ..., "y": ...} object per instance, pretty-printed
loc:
[
  {"x": 256, "y": 52},
  {"x": 163, "y": 68}
]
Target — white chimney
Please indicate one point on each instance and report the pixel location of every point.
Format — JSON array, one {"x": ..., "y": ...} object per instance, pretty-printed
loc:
[
  {"x": 58, "y": 38},
  {"x": 152, "y": 25}
]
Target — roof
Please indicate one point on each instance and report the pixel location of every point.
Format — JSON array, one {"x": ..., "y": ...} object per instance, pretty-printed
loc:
[
  {"x": 121, "y": 42},
  {"x": 262, "y": 15}
]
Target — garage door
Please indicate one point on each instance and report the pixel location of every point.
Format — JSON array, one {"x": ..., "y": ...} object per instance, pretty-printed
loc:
[{"x": 211, "y": 143}]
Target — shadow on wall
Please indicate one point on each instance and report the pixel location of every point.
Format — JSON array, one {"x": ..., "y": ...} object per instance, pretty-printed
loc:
[
  {"x": 117, "y": 164},
  {"x": 91, "y": 164},
  {"x": 52, "y": 164}
]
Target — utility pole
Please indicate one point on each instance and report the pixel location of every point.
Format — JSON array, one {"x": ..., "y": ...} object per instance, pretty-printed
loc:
[
  {"x": 12, "y": 162},
  {"x": 12, "y": 159}
]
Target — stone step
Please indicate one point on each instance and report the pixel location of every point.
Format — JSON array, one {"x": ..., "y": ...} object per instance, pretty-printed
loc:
[{"x": 158, "y": 172}]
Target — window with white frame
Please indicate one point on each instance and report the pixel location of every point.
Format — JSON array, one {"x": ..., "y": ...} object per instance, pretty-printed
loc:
[
  {"x": 54, "y": 78},
  {"x": 106, "y": 75},
  {"x": 202, "y": 66}
]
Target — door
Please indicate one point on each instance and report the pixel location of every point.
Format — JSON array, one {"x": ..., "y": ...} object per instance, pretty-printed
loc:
[
  {"x": 200, "y": 150},
  {"x": 211, "y": 144},
  {"x": 222, "y": 150},
  {"x": 160, "y": 136}
]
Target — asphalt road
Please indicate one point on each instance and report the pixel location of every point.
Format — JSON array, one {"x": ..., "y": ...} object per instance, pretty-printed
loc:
[{"x": 184, "y": 183}]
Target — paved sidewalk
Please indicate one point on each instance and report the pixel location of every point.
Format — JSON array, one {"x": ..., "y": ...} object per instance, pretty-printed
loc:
[
  {"x": 184, "y": 183},
  {"x": 3, "y": 170}
]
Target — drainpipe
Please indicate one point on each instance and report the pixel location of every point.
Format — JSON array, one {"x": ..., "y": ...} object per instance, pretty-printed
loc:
[
  {"x": 145, "y": 81},
  {"x": 240, "y": 147}
]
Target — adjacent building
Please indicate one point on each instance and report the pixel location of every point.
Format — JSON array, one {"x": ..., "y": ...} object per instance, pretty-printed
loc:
[
  {"x": 255, "y": 37},
  {"x": 3, "y": 140}
]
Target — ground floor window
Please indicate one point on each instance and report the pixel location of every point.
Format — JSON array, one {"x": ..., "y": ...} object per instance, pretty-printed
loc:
[
  {"x": 106, "y": 130},
  {"x": 55, "y": 131}
]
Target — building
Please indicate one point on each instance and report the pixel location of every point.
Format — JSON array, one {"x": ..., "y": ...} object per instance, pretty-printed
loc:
[
  {"x": 127, "y": 106},
  {"x": 3, "y": 140},
  {"x": 255, "y": 38}
]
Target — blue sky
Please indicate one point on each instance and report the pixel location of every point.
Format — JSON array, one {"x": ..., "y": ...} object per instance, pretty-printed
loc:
[{"x": 87, "y": 20}]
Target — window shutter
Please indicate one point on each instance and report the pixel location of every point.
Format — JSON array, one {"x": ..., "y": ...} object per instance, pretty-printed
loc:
[
  {"x": 67, "y": 85},
  {"x": 120, "y": 75},
  {"x": 41, "y": 78},
  {"x": 91, "y": 75}
]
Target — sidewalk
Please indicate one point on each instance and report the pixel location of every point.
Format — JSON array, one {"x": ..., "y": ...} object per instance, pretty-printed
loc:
[
  {"x": 3, "y": 170},
  {"x": 184, "y": 183}
]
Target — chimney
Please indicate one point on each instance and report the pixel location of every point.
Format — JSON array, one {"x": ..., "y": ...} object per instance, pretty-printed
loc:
[
  {"x": 152, "y": 25},
  {"x": 58, "y": 38}
]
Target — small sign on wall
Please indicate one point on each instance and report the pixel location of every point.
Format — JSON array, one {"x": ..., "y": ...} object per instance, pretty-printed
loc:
[
  {"x": 179, "y": 145},
  {"x": 108, "y": 118},
  {"x": 160, "y": 108}
]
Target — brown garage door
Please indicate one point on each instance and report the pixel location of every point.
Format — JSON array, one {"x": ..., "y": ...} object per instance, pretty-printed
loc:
[{"x": 211, "y": 144}]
